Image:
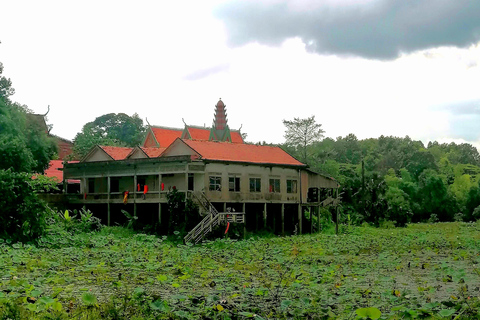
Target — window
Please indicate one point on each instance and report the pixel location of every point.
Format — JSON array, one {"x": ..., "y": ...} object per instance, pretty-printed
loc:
[
  {"x": 255, "y": 184},
  {"x": 291, "y": 186},
  {"x": 215, "y": 183},
  {"x": 114, "y": 185},
  {"x": 274, "y": 185},
  {"x": 234, "y": 184}
]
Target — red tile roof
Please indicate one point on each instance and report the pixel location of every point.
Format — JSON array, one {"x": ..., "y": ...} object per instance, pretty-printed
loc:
[
  {"x": 236, "y": 137},
  {"x": 165, "y": 136},
  {"x": 117, "y": 153},
  {"x": 236, "y": 152},
  {"x": 199, "y": 133},
  {"x": 153, "y": 152},
  {"x": 55, "y": 169}
]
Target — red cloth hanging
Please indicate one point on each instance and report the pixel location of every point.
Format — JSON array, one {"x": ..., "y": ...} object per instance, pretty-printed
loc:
[
  {"x": 145, "y": 189},
  {"x": 138, "y": 187},
  {"x": 162, "y": 186},
  {"x": 228, "y": 225}
]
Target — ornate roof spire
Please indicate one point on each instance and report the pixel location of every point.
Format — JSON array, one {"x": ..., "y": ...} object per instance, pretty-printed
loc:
[
  {"x": 220, "y": 120},
  {"x": 220, "y": 130}
]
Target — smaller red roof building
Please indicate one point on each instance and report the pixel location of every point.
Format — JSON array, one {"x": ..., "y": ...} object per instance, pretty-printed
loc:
[
  {"x": 117, "y": 153},
  {"x": 153, "y": 152},
  {"x": 55, "y": 170}
]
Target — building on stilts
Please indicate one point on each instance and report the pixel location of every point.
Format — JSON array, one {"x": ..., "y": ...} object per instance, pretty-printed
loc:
[{"x": 260, "y": 186}]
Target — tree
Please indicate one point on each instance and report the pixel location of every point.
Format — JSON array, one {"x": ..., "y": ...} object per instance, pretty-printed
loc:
[
  {"x": 301, "y": 133},
  {"x": 22, "y": 215},
  {"x": 24, "y": 145},
  {"x": 6, "y": 89},
  {"x": 111, "y": 130}
]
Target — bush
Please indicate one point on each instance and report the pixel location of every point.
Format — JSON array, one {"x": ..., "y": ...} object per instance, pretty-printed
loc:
[
  {"x": 85, "y": 222},
  {"x": 22, "y": 215},
  {"x": 476, "y": 213}
]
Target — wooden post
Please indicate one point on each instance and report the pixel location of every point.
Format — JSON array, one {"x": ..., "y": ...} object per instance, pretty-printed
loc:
[
  {"x": 283, "y": 219},
  {"x": 186, "y": 186},
  {"x": 244, "y": 221},
  {"x": 265, "y": 216},
  {"x": 159, "y": 199},
  {"x": 318, "y": 219},
  {"x": 336, "y": 216},
  {"x": 135, "y": 194},
  {"x": 311, "y": 221},
  {"x": 108, "y": 201},
  {"x": 300, "y": 218}
]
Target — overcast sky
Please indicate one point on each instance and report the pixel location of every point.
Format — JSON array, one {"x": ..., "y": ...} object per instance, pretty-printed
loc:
[{"x": 371, "y": 67}]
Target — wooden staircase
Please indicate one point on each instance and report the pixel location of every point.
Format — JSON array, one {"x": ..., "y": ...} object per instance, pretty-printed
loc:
[{"x": 211, "y": 219}]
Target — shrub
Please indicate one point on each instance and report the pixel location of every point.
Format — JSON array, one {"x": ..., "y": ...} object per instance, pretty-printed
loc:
[
  {"x": 458, "y": 217},
  {"x": 476, "y": 213},
  {"x": 22, "y": 214},
  {"x": 433, "y": 218}
]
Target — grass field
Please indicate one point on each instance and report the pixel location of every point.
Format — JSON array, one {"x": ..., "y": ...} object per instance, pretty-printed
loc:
[{"x": 421, "y": 271}]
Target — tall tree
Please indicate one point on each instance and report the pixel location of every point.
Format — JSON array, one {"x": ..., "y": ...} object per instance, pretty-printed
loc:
[
  {"x": 24, "y": 146},
  {"x": 6, "y": 89},
  {"x": 112, "y": 130},
  {"x": 302, "y": 133}
]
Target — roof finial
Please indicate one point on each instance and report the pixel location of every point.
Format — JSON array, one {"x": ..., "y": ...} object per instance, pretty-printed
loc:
[
  {"x": 47, "y": 111},
  {"x": 184, "y": 123},
  {"x": 146, "y": 119}
]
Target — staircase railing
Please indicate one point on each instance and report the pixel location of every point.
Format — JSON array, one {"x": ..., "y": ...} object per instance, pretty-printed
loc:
[{"x": 208, "y": 222}]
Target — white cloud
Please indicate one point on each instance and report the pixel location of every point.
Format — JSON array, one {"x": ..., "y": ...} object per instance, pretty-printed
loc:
[{"x": 167, "y": 63}]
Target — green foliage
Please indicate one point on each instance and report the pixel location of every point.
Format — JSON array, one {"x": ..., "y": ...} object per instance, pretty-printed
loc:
[
  {"x": 76, "y": 221},
  {"x": 399, "y": 179},
  {"x": 110, "y": 130},
  {"x": 22, "y": 214},
  {"x": 183, "y": 213},
  {"x": 368, "y": 313},
  {"x": 417, "y": 272},
  {"x": 24, "y": 146},
  {"x": 6, "y": 89},
  {"x": 131, "y": 220}
]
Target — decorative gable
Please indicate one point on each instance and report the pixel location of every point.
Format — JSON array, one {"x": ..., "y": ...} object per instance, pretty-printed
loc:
[
  {"x": 180, "y": 148},
  {"x": 97, "y": 154},
  {"x": 150, "y": 140}
]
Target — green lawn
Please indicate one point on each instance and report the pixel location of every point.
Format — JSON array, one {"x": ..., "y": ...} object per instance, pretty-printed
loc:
[{"x": 421, "y": 271}]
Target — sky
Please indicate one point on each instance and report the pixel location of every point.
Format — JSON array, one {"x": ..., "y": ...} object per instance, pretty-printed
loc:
[{"x": 367, "y": 67}]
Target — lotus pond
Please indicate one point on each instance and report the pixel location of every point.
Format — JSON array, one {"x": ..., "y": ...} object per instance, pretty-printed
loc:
[{"x": 421, "y": 271}]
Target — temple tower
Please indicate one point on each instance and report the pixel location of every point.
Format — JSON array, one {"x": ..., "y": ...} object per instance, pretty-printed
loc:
[{"x": 220, "y": 130}]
